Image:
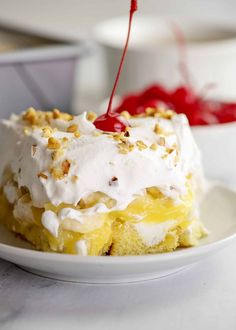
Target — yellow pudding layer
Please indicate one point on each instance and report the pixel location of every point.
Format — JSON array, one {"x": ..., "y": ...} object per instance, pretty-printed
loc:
[
  {"x": 42, "y": 239},
  {"x": 111, "y": 233}
]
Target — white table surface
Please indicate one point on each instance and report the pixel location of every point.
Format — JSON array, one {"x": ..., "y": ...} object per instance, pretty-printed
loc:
[{"x": 201, "y": 297}]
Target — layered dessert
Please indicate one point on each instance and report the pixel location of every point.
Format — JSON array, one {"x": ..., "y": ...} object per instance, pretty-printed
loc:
[
  {"x": 69, "y": 187},
  {"x": 113, "y": 185}
]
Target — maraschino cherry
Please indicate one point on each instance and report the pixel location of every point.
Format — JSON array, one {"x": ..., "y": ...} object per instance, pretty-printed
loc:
[{"x": 111, "y": 121}]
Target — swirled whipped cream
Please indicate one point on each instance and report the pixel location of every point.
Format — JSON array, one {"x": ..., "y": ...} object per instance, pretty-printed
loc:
[{"x": 62, "y": 159}]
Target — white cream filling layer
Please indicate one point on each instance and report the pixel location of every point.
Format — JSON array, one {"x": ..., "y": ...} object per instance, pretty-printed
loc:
[
  {"x": 154, "y": 233},
  {"x": 51, "y": 222},
  {"x": 82, "y": 247},
  {"x": 79, "y": 221},
  {"x": 11, "y": 192}
]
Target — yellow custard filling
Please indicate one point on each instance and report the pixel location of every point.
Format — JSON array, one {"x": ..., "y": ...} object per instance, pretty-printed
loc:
[{"x": 113, "y": 232}]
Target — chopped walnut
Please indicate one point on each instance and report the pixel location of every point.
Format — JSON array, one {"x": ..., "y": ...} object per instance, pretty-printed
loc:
[
  {"x": 162, "y": 141},
  {"x": 158, "y": 129},
  {"x": 34, "y": 149},
  {"x": 39, "y": 118},
  {"x": 48, "y": 116},
  {"x": 57, "y": 154},
  {"x": 170, "y": 150},
  {"x": 159, "y": 112},
  {"x": 66, "y": 116},
  {"x": 75, "y": 178},
  {"x": 150, "y": 111},
  {"x": 125, "y": 114},
  {"x": 154, "y": 146},
  {"x": 77, "y": 134},
  {"x": 141, "y": 145},
  {"x": 118, "y": 136},
  {"x": 164, "y": 156},
  {"x": 65, "y": 166},
  {"x": 42, "y": 175},
  {"x": 91, "y": 116},
  {"x": 53, "y": 143},
  {"x": 64, "y": 141},
  {"x": 72, "y": 128},
  {"x": 125, "y": 147},
  {"x": 47, "y": 131},
  {"x": 30, "y": 115},
  {"x": 168, "y": 114},
  {"x": 57, "y": 173},
  {"x": 154, "y": 192},
  {"x": 113, "y": 181},
  {"x": 121, "y": 137},
  {"x": 57, "y": 114},
  {"x": 165, "y": 114}
]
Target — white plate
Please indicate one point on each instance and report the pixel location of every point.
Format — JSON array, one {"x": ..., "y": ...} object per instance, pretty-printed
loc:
[{"x": 218, "y": 212}]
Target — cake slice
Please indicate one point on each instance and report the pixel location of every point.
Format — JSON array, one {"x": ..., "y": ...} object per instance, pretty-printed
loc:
[{"x": 71, "y": 188}]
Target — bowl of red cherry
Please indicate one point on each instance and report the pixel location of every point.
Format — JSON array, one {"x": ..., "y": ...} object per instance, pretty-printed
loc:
[{"x": 213, "y": 123}]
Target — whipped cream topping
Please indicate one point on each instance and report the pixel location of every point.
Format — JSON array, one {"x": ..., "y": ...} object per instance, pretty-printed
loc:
[{"x": 96, "y": 159}]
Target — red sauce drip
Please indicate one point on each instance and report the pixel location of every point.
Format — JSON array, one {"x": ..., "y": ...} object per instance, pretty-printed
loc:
[
  {"x": 183, "y": 100},
  {"x": 111, "y": 122}
]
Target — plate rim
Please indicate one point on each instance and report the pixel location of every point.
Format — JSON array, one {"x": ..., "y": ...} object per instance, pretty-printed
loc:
[
  {"x": 167, "y": 256},
  {"x": 162, "y": 257}
]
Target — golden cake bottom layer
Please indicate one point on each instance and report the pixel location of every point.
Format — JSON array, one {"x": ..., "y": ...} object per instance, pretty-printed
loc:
[{"x": 117, "y": 233}]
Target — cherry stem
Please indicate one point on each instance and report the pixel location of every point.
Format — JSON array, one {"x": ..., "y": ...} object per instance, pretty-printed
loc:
[
  {"x": 206, "y": 88},
  {"x": 180, "y": 39},
  {"x": 133, "y": 8}
]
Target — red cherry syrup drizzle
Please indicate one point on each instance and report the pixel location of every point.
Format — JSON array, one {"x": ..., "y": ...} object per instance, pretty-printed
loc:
[
  {"x": 110, "y": 121},
  {"x": 182, "y": 99}
]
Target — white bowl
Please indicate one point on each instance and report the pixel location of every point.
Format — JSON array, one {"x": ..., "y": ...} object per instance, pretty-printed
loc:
[
  {"x": 218, "y": 147},
  {"x": 37, "y": 71},
  {"x": 217, "y": 212},
  {"x": 153, "y": 55}
]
